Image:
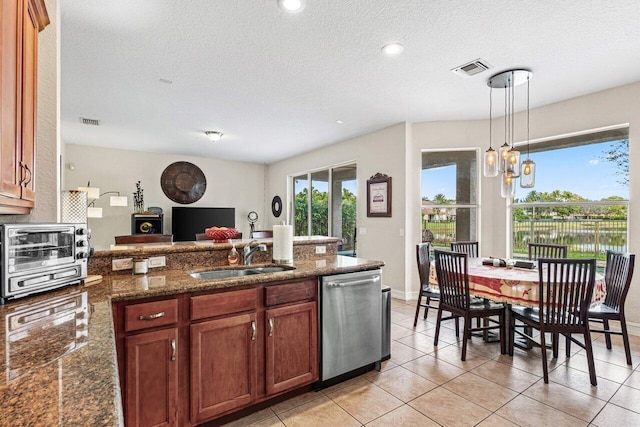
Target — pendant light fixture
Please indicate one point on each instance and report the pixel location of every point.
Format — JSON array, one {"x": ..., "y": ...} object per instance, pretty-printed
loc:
[
  {"x": 490, "y": 156},
  {"x": 508, "y": 156}
]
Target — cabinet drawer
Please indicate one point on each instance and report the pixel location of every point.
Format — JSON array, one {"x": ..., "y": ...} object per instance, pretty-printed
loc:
[
  {"x": 150, "y": 314},
  {"x": 290, "y": 292},
  {"x": 230, "y": 302}
]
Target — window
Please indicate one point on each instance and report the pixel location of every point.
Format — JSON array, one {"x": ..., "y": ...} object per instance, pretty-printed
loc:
[
  {"x": 449, "y": 196},
  {"x": 330, "y": 195},
  {"x": 581, "y": 196}
]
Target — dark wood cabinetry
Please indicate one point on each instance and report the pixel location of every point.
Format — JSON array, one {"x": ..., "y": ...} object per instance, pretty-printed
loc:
[
  {"x": 189, "y": 359},
  {"x": 21, "y": 22}
]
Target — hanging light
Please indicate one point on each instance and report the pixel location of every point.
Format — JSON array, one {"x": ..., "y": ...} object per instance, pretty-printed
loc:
[
  {"x": 490, "y": 156},
  {"x": 528, "y": 177},
  {"x": 509, "y": 156}
]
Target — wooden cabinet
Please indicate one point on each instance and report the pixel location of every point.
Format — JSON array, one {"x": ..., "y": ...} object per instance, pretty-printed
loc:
[
  {"x": 223, "y": 365},
  {"x": 21, "y": 22},
  {"x": 152, "y": 378},
  {"x": 291, "y": 347}
]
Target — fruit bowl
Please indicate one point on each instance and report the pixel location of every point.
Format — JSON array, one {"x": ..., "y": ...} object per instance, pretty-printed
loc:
[{"x": 221, "y": 234}]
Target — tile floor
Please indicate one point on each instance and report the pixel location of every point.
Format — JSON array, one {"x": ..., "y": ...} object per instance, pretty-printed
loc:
[{"x": 423, "y": 385}]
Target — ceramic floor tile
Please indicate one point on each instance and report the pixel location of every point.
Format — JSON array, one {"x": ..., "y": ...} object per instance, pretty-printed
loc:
[
  {"x": 401, "y": 353},
  {"x": 398, "y": 332},
  {"x": 253, "y": 419},
  {"x": 320, "y": 412},
  {"x": 580, "y": 381},
  {"x": 628, "y": 398},
  {"x": 634, "y": 380},
  {"x": 448, "y": 409},
  {"x": 615, "y": 416},
  {"x": 344, "y": 384},
  {"x": 296, "y": 401},
  {"x": 615, "y": 356},
  {"x": 496, "y": 421},
  {"x": 528, "y": 412},
  {"x": 480, "y": 391},
  {"x": 402, "y": 383},
  {"x": 403, "y": 416},
  {"x": 435, "y": 370},
  {"x": 604, "y": 370},
  {"x": 269, "y": 422},
  {"x": 420, "y": 342},
  {"x": 453, "y": 354},
  {"x": 447, "y": 336},
  {"x": 567, "y": 400},
  {"x": 365, "y": 401},
  {"x": 506, "y": 375},
  {"x": 530, "y": 361}
]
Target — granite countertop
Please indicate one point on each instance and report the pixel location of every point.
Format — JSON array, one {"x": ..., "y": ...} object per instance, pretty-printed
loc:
[{"x": 63, "y": 370}]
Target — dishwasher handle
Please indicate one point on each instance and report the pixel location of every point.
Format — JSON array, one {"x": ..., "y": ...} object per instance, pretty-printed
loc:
[{"x": 367, "y": 281}]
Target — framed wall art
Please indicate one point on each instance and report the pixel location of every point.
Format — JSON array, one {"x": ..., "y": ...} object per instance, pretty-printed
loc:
[{"x": 379, "y": 195}]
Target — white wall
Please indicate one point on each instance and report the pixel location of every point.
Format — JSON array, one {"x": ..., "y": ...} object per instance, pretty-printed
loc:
[
  {"x": 229, "y": 184},
  {"x": 381, "y": 151},
  {"x": 46, "y": 177}
]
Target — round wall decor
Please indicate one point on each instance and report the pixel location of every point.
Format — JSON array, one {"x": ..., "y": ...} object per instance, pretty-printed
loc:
[
  {"x": 183, "y": 182},
  {"x": 276, "y": 206}
]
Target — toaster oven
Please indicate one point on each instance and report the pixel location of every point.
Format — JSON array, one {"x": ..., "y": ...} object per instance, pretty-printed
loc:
[{"x": 39, "y": 257}]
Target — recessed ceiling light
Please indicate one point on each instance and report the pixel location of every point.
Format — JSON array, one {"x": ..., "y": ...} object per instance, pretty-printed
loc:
[
  {"x": 392, "y": 49},
  {"x": 167, "y": 81},
  {"x": 214, "y": 135},
  {"x": 291, "y": 5},
  {"x": 339, "y": 122}
]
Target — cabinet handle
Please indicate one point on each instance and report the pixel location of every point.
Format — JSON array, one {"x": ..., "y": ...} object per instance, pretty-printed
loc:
[
  {"x": 271, "y": 327},
  {"x": 151, "y": 316},
  {"x": 254, "y": 330},
  {"x": 28, "y": 177},
  {"x": 22, "y": 173},
  {"x": 173, "y": 349}
]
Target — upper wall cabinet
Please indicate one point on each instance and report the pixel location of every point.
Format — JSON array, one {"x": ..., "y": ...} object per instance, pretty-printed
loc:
[{"x": 22, "y": 20}]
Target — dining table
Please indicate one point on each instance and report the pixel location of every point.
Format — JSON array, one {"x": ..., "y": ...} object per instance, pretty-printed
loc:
[{"x": 512, "y": 286}]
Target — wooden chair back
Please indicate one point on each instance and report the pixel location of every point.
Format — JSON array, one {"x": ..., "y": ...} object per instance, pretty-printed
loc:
[
  {"x": 261, "y": 234},
  {"x": 565, "y": 290},
  {"x": 143, "y": 238},
  {"x": 543, "y": 250},
  {"x": 469, "y": 248},
  {"x": 424, "y": 264},
  {"x": 617, "y": 277},
  {"x": 452, "y": 269}
]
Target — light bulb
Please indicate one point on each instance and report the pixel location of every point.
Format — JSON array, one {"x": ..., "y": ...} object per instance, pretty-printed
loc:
[{"x": 527, "y": 168}]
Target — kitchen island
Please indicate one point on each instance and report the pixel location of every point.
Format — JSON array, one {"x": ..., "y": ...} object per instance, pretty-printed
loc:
[{"x": 64, "y": 371}]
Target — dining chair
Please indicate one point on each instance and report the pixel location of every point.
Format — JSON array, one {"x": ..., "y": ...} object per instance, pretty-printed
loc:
[
  {"x": 543, "y": 250},
  {"x": 143, "y": 238},
  {"x": 426, "y": 291},
  {"x": 565, "y": 289},
  {"x": 261, "y": 234},
  {"x": 617, "y": 279},
  {"x": 469, "y": 248},
  {"x": 203, "y": 236},
  {"x": 452, "y": 269}
]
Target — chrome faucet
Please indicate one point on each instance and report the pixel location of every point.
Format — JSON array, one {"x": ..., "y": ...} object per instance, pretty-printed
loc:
[{"x": 248, "y": 251}]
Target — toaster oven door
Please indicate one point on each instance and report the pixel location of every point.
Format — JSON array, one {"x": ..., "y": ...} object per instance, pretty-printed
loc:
[{"x": 31, "y": 248}]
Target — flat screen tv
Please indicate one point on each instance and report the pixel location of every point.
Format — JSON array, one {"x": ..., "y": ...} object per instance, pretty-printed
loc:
[{"x": 186, "y": 222}]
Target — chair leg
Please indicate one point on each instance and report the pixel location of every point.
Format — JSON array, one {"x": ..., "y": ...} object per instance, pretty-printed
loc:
[
  {"x": 466, "y": 334},
  {"x": 435, "y": 339},
  {"x": 589, "y": 349},
  {"x": 607, "y": 335},
  {"x": 426, "y": 309},
  {"x": 456, "y": 320},
  {"x": 503, "y": 334},
  {"x": 415, "y": 319},
  {"x": 545, "y": 368},
  {"x": 512, "y": 334},
  {"x": 625, "y": 339},
  {"x": 568, "y": 345},
  {"x": 555, "y": 344}
]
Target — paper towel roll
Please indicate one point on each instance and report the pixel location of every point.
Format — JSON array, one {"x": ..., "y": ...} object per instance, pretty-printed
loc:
[{"x": 283, "y": 244}]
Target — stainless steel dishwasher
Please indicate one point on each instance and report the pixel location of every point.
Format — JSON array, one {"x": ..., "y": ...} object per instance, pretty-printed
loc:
[{"x": 350, "y": 322}]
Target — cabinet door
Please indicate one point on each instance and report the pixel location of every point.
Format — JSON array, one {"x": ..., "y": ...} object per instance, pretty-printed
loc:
[
  {"x": 223, "y": 365},
  {"x": 291, "y": 346},
  {"x": 152, "y": 378},
  {"x": 29, "y": 90}
]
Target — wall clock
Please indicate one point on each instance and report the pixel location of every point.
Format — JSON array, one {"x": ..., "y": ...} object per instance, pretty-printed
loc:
[
  {"x": 276, "y": 206},
  {"x": 183, "y": 182}
]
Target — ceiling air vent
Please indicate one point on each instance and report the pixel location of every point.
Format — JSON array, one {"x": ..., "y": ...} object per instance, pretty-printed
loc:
[
  {"x": 472, "y": 68},
  {"x": 92, "y": 122}
]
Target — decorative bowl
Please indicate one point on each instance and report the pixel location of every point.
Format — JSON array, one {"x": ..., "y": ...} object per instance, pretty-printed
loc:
[{"x": 221, "y": 233}]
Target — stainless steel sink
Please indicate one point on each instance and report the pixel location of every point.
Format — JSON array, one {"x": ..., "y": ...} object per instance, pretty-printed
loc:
[{"x": 225, "y": 273}]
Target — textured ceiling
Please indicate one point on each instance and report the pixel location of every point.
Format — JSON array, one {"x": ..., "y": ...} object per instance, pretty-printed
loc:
[{"x": 276, "y": 83}]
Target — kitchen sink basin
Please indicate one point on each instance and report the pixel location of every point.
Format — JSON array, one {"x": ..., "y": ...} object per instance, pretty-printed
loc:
[{"x": 225, "y": 273}]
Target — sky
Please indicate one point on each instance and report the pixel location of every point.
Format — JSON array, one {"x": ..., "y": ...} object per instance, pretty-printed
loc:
[{"x": 591, "y": 176}]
